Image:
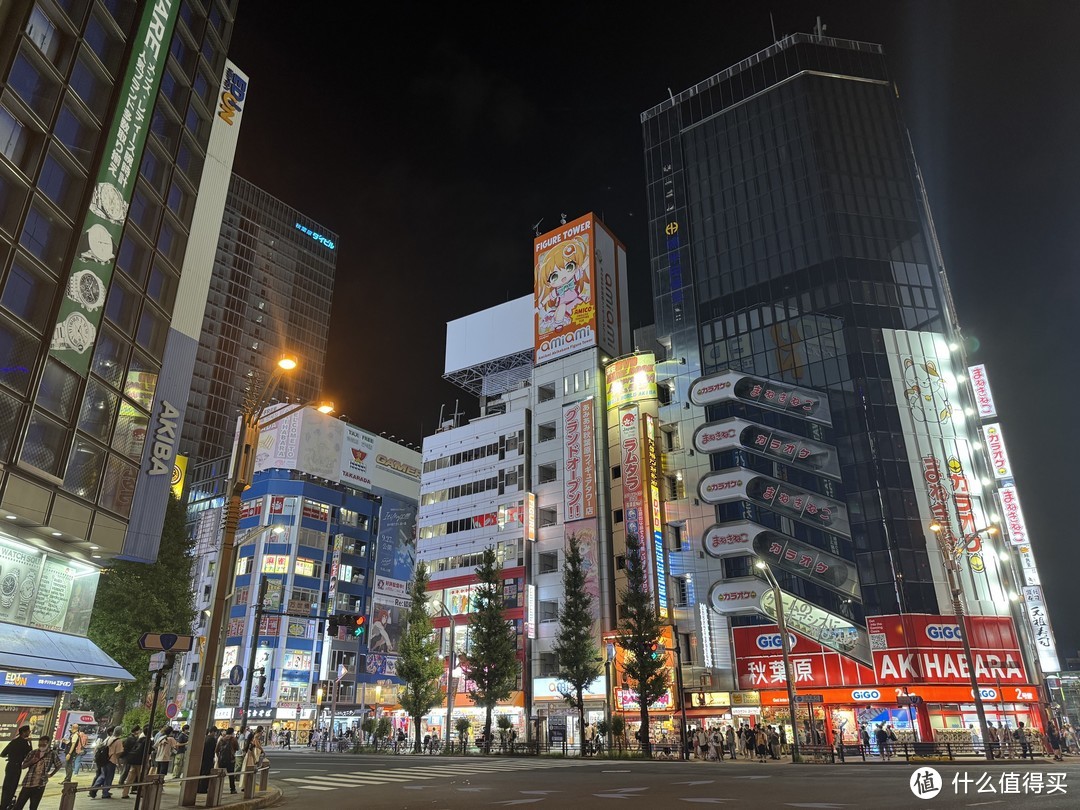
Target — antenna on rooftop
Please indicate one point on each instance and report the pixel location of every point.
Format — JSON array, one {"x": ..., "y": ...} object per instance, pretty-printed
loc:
[
  {"x": 562, "y": 219},
  {"x": 536, "y": 226},
  {"x": 819, "y": 29},
  {"x": 772, "y": 25}
]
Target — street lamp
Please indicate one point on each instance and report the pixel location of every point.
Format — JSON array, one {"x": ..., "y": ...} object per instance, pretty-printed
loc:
[
  {"x": 785, "y": 646},
  {"x": 241, "y": 474},
  {"x": 955, "y": 589},
  {"x": 450, "y": 690}
]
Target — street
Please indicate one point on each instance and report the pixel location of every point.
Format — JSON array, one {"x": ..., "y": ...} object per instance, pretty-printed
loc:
[{"x": 407, "y": 781}]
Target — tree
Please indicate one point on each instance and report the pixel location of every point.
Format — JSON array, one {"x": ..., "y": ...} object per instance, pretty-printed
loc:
[
  {"x": 492, "y": 663},
  {"x": 135, "y": 598},
  {"x": 639, "y": 635},
  {"x": 575, "y": 644},
  {"x": 419, "y": 665}
]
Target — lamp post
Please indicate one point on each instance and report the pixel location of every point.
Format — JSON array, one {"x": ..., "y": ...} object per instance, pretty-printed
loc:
[
  {"x": 241, "y": 474},
  {"x": 955, "y": 589},
  {"x": 450, "y": 690},
  {"x": 785, "y": 647}
]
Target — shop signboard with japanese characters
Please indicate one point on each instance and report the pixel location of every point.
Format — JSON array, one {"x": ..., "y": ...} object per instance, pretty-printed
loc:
[
  {"x": 775, "y": 396},
  {"x": 980, "y": 386},
  {"x": 759, "y": 661},
  {"x": 1041, "y": 632},
  {"x": 995, "y": 447},
  {"x": 818, "y": 624},
  {"x": 775, "y": 445},
  {"x": 636, "y": 518},
  {"x": 779, "y": 496},
  {"x": 579, "y": 461}
]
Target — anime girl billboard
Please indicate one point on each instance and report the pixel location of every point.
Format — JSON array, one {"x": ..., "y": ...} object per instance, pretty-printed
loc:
[{"x": 563, "y": 289}]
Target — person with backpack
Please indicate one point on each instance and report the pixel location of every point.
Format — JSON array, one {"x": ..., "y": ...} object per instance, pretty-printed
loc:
[
  {"x": 74, "y": 746},
  {"x": 164, "y": 748},
  {"x": 107, "y": 758},
  {"x": 227, "y": 747},
  {"x": 136, "y": 755},
  {"x": 882, "y": 740},
  {"x": 180, "y": 757},
  {"x": 14, "y": 752}
]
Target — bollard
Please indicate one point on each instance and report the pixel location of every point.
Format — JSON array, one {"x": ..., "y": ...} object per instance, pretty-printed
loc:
[
  {"x": 151, "y": 793},
  {"x": 67, "y": 795},
  {"x": 264, "y": 776},
  {"x": 215, "y": 785}
]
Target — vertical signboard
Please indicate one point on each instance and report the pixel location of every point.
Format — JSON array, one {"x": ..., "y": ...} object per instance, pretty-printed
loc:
[
  {"x": 1015, "y": 526},
  {"x": 995, "y": 447},
  {"x": 395, "y": 551},
  {"x": 586, "y": 534},
  {"x": 530, "y": 517},
  {"x": 91, "y": 270},
  {"x": 611, "y": 325},
  {"x": 1040, "y": 629},
  {"x": 980, "y": 385},
  {"x": 563, "y": 290},
  {"x": 655, "y": 516},
  {"x": 635, "y": 519},
  {"x": 530, "y": 611},
  {"x": 335, "y": 572},
  {"x": 579, "y": 461}
]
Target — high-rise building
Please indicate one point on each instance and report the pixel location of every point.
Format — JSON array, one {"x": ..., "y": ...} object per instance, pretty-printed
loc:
[
  {"x": 823, "y": 419},
  {"x": 329, "y": 525},
  {"x": 106, "y": 113}
]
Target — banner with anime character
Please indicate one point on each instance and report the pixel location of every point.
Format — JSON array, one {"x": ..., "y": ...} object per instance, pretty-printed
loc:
[{"x": 563, "y": 289}]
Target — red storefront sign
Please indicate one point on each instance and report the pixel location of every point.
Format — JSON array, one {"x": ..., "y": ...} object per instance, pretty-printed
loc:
[
  {"x": 888, "y": 695},
  {"x": 921, "y": 648},
  {"x": 759, "y": 662}
]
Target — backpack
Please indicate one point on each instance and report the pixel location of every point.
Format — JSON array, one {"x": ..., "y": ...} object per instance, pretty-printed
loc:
[{"x": 101, "y": 753}]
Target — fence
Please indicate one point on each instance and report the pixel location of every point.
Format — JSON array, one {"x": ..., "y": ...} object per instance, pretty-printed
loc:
[
  {"x": 908, "y": 751},
  {"x": 151, "y": 789}
]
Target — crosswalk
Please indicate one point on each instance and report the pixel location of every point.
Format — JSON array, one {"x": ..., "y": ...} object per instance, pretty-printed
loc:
[{"x": 385, "y": 776}]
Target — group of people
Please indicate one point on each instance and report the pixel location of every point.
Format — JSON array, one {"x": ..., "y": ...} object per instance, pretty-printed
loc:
[
  {"x": 135, "y": 756},
  {"x": 761, "y": 742},
  {"x": 884, "y": 737},
  {"x": 222, "y": 747}
]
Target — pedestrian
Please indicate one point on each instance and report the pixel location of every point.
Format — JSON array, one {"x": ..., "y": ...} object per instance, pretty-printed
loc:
[
  {"x": 209, "y": 752},
  {"x": 74, "y": 746},
  {"x": 1053, "y": 737},
  {"x": 288, "y": 740},
  {"x": 992, "y": 742},
  {"x": 715, "y": 746},
  {"x": 39, "y": 766},
  {"x": 180, "y": 757},
  {"x": 760, "y": 742},
  {"x": 1006, "y": 739},
  {"x": 864, "y": 738},
  {"x": 164, "y": 749},
  {"x": 729, "y": 739},
  {"x": 227, "y": 747},
  {"x": 1021, "y": 736},
  {"x": 881, "y": 737},
  {"x": 107, "y": 757},
  {"x": 774, "y": 743},
  {"x": 137, "y": 756},
  {"x": 891, "y": 734},
  {"x": 15, "y": 752}
]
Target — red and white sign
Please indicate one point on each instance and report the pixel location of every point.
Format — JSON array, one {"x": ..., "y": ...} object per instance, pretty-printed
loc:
[
  {"x": 251, "y": 508},
  {"x": 984, "y": 400},
  {"x": 765, "y": 393},
  {"x": 918, "y": 648},
  {"x": 1014, "y": 516},
  {"x": 995, "y": 445},
  {"x": 759, "y": 662},
  {"x": 635, "y": 516},
  {"x": 579, "y": 461},
  {"x": 727, "y": 539}
]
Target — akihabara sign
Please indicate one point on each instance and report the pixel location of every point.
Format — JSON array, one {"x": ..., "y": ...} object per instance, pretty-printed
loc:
[
  {"x": 995, "y": 446},
  {"x": 635, "y": 514},
  {"x": 735, "y": 433},
  {"x": 820, "y": 567},
  {"x": 733, "y": 385},
  {"x": 1014, "y": 516},
  {"x": 779, "y": 496},
  {"x": 980, "y": 386},
  {"x": 579, "y": 461},
  {"x": 759, "y": 662},
  {"x": 1040, "y": 628},
  {"x": 917, "y": 648}
]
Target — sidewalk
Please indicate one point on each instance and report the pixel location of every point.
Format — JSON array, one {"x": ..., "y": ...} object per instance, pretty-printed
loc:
[{"x": 169, "y": 798}]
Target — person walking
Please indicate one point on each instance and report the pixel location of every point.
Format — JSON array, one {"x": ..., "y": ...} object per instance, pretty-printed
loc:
[
  {"x": 729, "y": 737},
  {"x": 288, "y": 740},
  {"x": 253, "y": 754},
  {"x": 714, "y": 746},
  {"x": 993, "y": 744},
  {"x": 227, "y": 747},
  {"x": 1021, "y": 736},
  {"x": 882, "y": 740},
  {"x": 864, "y": 739},
  {"x": 164, "y": 750},
  {"x": 760, "y": 743},
  {"x": 14, "y": 752},
  {"x": 180, "y": 757},
  {"x": 74, "y": 746},
  {"x": 39, "y": 766},
  {"x": 783, "y": 740},
  {"x": 131, "y": 741},
  {"x": 209, "y": 753},
  {"x": 107, "y": 758},
  {"x": 137, "y": 755}
]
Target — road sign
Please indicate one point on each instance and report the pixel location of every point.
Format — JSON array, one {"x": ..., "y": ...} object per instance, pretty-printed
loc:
[
  {"x": 809, "y": 698},
  {"x": 162, "y": 661},
  {"x": 236, "y": 675},
  {"x": 232, "y": 696},
  {"x": 172, "y": 710},
  {"x": 165, "y": 641}
]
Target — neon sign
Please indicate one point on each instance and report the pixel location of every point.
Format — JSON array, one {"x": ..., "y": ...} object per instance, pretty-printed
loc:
[{"x": 318, "y": 237}]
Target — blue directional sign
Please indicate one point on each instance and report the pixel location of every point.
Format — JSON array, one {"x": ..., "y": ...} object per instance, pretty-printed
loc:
[{"x": 236, "y": 675}]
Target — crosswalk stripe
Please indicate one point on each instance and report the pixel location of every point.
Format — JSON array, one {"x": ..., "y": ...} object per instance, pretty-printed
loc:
[{"x": 316, "y": 787}]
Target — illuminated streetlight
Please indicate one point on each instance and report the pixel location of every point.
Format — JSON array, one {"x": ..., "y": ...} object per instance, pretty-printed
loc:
[
  {"x": 287, "y": 362},
  {"x": 326, "y": 406}
]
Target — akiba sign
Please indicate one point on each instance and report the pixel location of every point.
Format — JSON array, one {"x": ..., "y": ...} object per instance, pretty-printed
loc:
[{"x": 921, "y": 648}]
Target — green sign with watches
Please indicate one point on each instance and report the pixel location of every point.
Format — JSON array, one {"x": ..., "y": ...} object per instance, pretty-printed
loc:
[{"x": 95, "y": 258}]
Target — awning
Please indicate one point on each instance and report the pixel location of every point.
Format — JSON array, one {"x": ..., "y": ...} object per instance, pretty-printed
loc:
[{"x": 29, "y": 649}]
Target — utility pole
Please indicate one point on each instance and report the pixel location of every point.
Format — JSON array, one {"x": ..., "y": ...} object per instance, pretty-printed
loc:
[{"x": 251, "y": 654}]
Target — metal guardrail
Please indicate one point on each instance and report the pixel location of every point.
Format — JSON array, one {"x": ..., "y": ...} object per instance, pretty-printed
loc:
[
  {"x": 907, "y": 751},
  {"x": 152, "y": 789}
]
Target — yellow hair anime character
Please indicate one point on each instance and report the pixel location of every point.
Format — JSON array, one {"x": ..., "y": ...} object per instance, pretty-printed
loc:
[{"x": 562, "y": 283}]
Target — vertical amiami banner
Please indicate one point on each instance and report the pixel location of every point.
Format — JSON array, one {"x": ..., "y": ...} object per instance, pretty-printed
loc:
[
  {"x": 635, "y": 517},
  {"x": 565, "y": 310}
]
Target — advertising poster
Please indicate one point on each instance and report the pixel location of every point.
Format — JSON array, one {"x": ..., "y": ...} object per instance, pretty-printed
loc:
[
  {"x": 630, "y": 380},
  {"x": 395, "y": 551},
  {"x": 759, "y": 662},
  {"x": 88, "y": 278},
  {"x": 635, "y": 513},
  {"x": 563, "y": 290},
  {"x": 579, "y": 461},
  {"x": 357, "y": 458},
  {"x": 39, "y": 590},
  {"x": 585, "y": 532},
  {"x": 389, "y": 608}
]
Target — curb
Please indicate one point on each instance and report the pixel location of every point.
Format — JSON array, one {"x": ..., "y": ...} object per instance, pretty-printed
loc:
[{"x": 271, "y": 796}]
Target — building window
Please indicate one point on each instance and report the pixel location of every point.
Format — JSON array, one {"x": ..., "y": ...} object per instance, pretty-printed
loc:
[
  {"x": 620, "y": 562},
  {"x": 616, "y": 471},
  {"x": 546, "y": 473},
  {"x": 664, "y": 392},
  {"x": 548, "y": 516},
  {"x": 548, "y": 562},
  {"x": 545, "y": 432},
  {"x": 682, "y": 592},
  {"x": 549, "y": 665},
  {"x": 549, "y": 612},
  {"x": 670, "y": 436},
  {"x": 28, "y": 294},
  {"x": 617, "y": 517},
  {"x": 308, "y": 568},
  {"x": 46, "y": 236},
  {"x": 545, "y": 393}
]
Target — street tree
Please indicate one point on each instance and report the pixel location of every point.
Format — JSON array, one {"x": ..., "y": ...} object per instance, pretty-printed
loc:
[
  {"x": 135, "y": 598},
  {"x": 640, "y": 636},
  {"x": 575, "y": 643},
  {"x": 492, "y": 664},
  {"x": 419, "y": 665}
]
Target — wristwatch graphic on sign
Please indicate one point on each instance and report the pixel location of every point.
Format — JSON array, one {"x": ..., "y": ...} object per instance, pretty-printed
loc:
[
  {"x": 75, "y": 332},
  {"x": 98, "y": 244},
  {"x": 86, "y": 290},
  {"x": 108, "y": 203},
  {"x": 9, "y": 585}
]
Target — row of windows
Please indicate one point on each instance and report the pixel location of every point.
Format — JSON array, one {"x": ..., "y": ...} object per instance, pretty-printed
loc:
[
  {"x": 461, "y": 490},
  {"x": 510, "y": 443}
]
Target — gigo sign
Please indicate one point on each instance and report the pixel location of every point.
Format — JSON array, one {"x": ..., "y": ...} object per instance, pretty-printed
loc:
[
  {"x": 943, "y": 632},
  {"x": 865, "y": 695},
  {"x": 773, "y": 641},
  {"x": 165, "y": 436}
]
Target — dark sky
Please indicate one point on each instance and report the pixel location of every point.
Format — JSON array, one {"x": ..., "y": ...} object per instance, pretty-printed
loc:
[{"x": 431, "y": 144}]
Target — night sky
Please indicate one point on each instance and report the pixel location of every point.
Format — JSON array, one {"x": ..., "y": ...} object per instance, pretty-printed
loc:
[{"x": 431, "y": 144}]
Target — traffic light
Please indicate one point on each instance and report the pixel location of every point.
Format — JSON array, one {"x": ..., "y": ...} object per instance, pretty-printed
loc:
[
  {"x": 654, "y": 651},
  {"x": 361, "y": 626}
]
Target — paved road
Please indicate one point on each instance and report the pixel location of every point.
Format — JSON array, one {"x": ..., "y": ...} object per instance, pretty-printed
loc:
[{"x": 345, "y": 782}]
